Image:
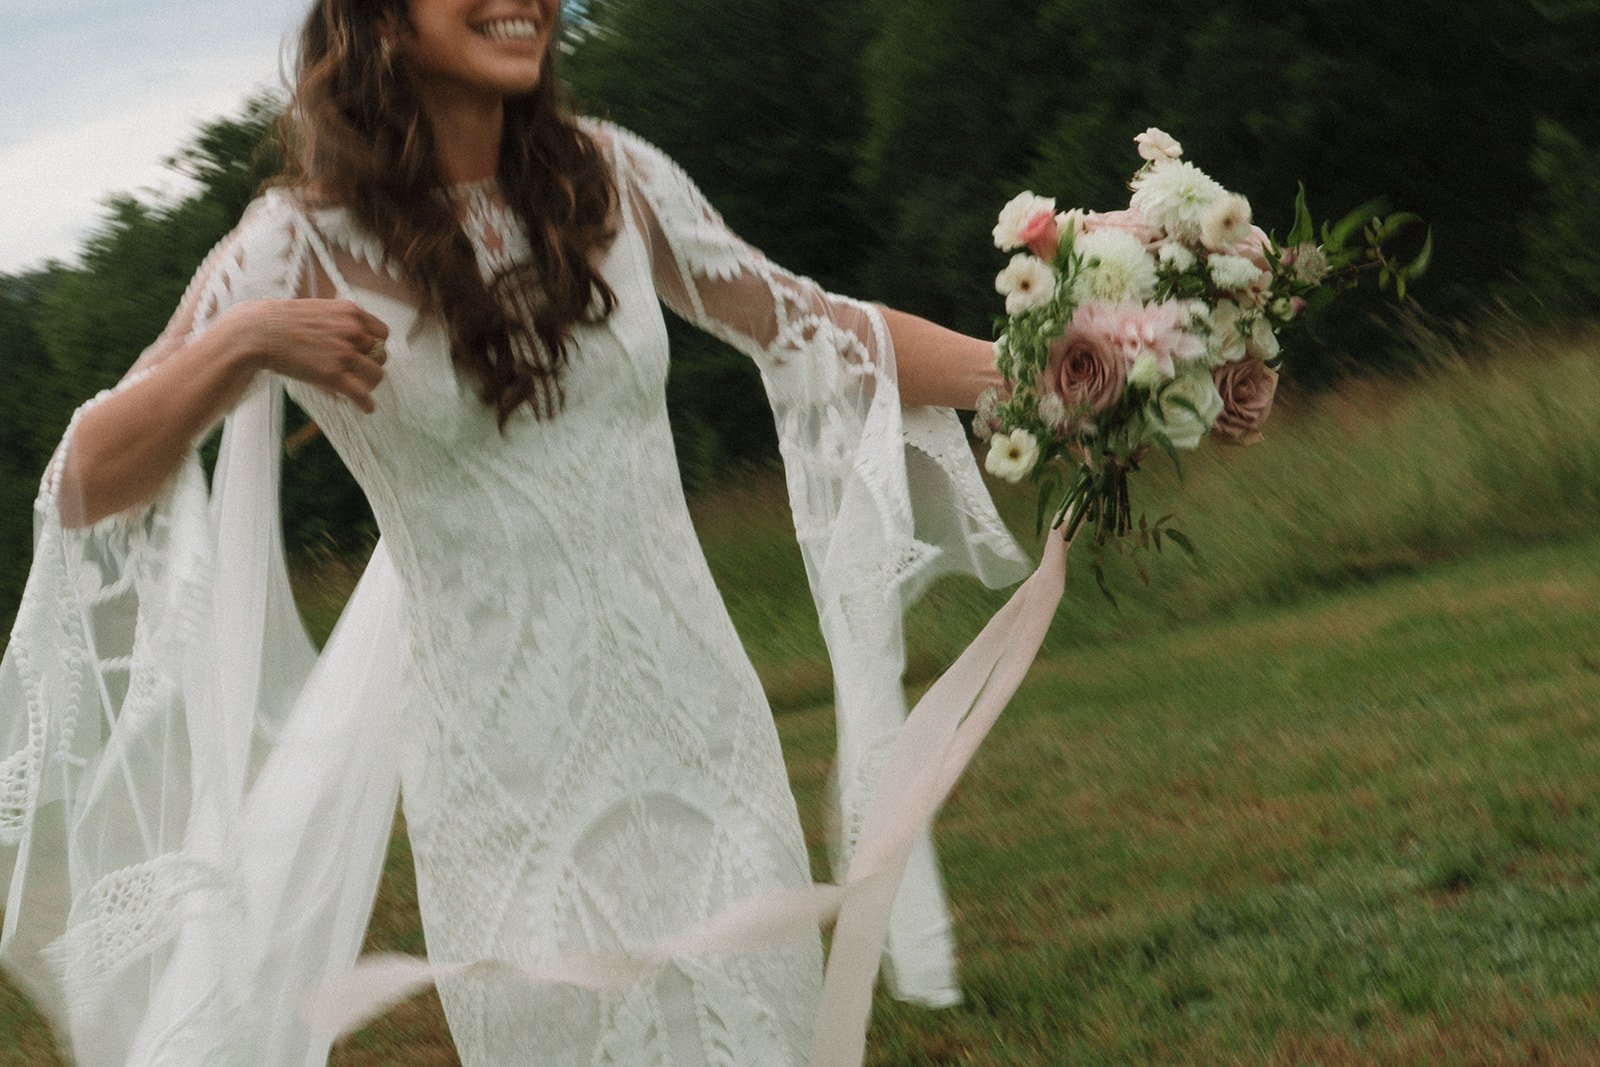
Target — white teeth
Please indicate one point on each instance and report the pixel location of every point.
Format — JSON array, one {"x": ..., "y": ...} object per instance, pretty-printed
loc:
[{"x": 510, "y": 30}]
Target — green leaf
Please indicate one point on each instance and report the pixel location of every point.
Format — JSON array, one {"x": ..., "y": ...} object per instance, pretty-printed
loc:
[
  {"x": 1304, "y": 227},
  {"x": 1419, "y": 266},
  {"x": 1341, "y": 232},
  {"x": 1164, "y": 443},
  {"x": 1099, "y": 573},
  {"x": 1182, "y": 541}
]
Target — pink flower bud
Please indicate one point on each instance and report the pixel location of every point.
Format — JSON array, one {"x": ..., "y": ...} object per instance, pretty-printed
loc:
[{"x": 1040, "y": 233}]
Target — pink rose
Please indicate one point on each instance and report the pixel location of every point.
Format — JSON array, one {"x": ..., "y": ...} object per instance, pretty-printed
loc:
[
  {"x": 1247, "y": 388},
  {"x": 1085, "y": 370},
  {"x": 1128, "y": 221},
  {"x": 1040, "y": 233}
]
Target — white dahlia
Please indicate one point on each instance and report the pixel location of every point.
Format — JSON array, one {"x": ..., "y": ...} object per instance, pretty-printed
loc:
[
  {"x": 1116, "y": 268},
  {"x": 1175, "y": 195}
]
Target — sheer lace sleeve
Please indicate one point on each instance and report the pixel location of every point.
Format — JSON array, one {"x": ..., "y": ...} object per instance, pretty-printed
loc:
[
  {"x": 135, "y": 697},
  {"x": 259, "y": 258},
  {"x": 884, "y": 499}
]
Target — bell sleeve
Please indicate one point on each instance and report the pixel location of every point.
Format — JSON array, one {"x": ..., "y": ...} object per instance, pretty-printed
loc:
[
  {"x": 885, "y": 498},
  {"x": 155, "y": 658}
]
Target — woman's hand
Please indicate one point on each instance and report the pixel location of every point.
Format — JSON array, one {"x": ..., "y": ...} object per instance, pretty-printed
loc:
[{"x": 331, "y": 344}]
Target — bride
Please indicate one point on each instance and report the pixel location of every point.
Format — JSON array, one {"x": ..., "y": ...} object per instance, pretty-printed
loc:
[{"x": 461, "y": 283}]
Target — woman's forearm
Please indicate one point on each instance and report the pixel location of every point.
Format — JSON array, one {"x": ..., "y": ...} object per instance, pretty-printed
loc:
[
  {"x": 125, "y": 448},
  {"x": 936, "y": 366}
]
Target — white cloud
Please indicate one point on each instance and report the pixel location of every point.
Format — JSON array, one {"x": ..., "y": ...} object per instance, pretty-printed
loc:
[{"x": 99, "y": 92}]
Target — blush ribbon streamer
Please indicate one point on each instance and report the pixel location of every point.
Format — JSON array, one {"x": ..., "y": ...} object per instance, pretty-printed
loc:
[{"x": 932, "y": 749}]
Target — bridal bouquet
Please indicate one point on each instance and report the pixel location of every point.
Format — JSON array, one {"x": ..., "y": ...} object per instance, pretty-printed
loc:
[{"x": 1153, "y": 327}]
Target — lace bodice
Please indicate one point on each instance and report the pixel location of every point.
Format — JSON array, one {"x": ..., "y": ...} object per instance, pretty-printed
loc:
[{"x": 586, "y": 754}]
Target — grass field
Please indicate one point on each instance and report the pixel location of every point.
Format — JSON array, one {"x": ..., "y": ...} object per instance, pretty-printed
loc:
[{"x": 1335, "y": 798}]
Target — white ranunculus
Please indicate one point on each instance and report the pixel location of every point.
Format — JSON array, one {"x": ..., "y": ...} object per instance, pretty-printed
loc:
[
  {"x": 1026, "y": 283},
  {"x": 1226, "y": 343},
  {"x": 1011, "y": 455},
  {"x": 1116, "y": 268},
  {"x": 1186, "y": 408},
  {"x": 1175, "y": 196},
  {"x": 1156, "y": 145},
  {"x": 1232, "y": 272},
  {"x": 1015, "y": 215},
  {"x": 1226, "y": 223},
  {"x": 1263, "y": 342},
  {"x": 1175, "y": 256}
]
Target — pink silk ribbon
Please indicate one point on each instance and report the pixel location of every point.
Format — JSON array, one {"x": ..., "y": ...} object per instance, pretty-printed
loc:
[{"x": 928, "y": 756}]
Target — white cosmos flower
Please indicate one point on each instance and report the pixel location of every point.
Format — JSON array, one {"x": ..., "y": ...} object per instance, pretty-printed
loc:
[
  {"x": 1015, "y": 215},
  {"x": 1012, "y": 455},
  {"x": 1226, "y": 223},
  {"x": 1174, "y": 256},
  {"x": 1026, "y": 283},
  {"x": 1116, "y": 268},
  {"x": 1175, "y": 195},
  {"x": 1232, "y": 272}
]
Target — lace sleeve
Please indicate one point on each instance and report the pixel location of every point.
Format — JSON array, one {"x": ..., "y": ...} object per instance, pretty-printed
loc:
[
  {"x": 256, "y": 259},
  {"x": 117, "y": 770},
  {"x": 809, "y": 344}
]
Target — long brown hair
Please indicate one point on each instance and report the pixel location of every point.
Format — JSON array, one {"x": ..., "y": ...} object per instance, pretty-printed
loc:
[{"x": 355, "y": 132}]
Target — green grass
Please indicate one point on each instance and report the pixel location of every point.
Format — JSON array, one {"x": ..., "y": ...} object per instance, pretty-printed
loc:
[{"x": 1332, "y": 799}]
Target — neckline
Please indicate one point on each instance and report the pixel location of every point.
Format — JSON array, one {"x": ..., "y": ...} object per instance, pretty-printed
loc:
[{"x": 473, "y": 187}]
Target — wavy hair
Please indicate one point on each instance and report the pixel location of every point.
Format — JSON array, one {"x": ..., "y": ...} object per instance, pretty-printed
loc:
[{"x": 356, "y": 134}]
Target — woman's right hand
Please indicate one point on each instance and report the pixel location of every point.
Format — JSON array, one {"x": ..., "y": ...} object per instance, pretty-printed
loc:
[{"x": 331, "y": 344}]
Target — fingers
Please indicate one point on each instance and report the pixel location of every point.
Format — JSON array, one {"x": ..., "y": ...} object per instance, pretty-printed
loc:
[{"x": 374, "y": 327}]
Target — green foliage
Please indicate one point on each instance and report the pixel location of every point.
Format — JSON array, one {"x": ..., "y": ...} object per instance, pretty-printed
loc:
[
  {"x": 1563, "y": 266},
  {"x": 869, "y": 143},
  {"x": 69, "y": 331}
]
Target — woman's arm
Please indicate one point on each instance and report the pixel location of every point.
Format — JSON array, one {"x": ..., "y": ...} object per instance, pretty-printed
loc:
[
  {"x": 939, "y": 367},
  {"x": 126, "y": 446}
]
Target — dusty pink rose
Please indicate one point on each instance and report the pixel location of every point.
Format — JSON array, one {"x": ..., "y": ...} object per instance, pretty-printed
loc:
[
  {"x": 1040, "y": 233},
  {"x": 1128, "y": 221},
  {"x": 1247, "y": 387},
  {"x": 1085, "y": 370}
]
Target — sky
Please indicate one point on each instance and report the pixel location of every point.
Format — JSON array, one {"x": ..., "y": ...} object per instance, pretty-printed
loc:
[{"x": 95, "y": 94}]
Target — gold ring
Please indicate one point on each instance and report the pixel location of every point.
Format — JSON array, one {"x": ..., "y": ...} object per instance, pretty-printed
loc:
[{"x": 379, "y": 352}]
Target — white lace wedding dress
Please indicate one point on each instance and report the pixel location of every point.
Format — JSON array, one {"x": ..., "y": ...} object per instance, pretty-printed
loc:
[{"x": 538, "y": 658}]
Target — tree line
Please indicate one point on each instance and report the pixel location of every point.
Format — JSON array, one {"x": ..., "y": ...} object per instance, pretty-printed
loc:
[{"x": 869, "y": 144}]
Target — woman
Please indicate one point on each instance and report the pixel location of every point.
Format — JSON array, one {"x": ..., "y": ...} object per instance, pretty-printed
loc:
[{"x": 460, "y": 285}]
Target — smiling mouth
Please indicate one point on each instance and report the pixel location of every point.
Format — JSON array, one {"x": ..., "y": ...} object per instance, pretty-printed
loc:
[{"x": 509, "y": 30}]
